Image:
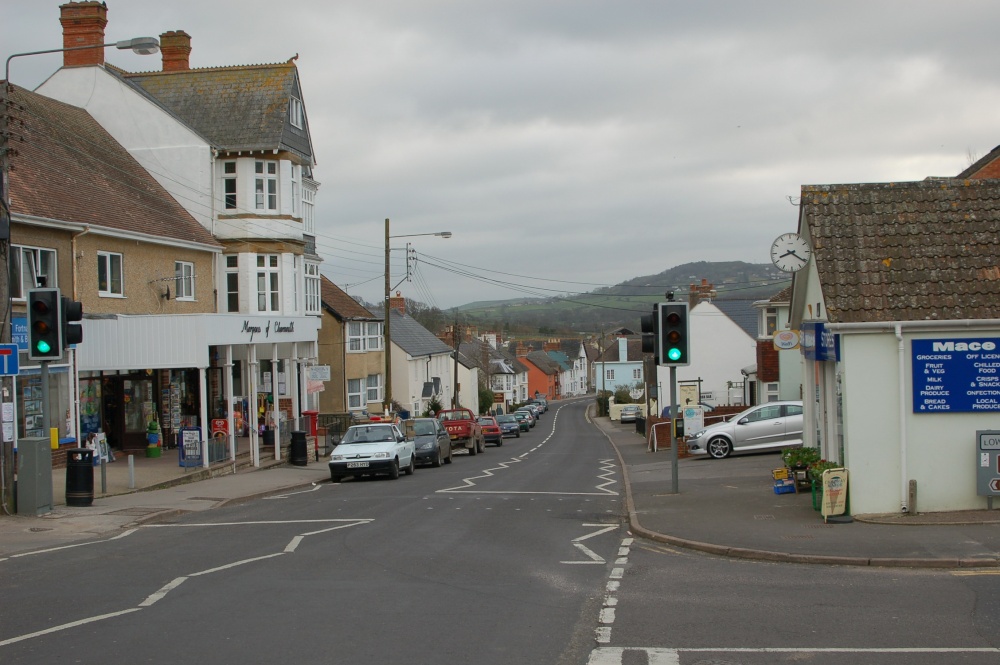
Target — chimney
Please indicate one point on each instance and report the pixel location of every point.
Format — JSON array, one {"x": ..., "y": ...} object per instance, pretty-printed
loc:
[
  {"x": 521, "y": 350},
  {"x": 398, "y": 303},
  {"x": 83, "y": 25},
  {"x": 703, "y": 292},
  {"x": 176, "y": 48}
]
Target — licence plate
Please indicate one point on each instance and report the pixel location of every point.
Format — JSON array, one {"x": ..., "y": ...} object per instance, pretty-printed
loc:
[{"x": 357, "y": 465}]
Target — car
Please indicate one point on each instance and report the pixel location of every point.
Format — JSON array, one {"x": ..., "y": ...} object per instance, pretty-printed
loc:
[
  {"x": 372, "y": 449},
  {"x": 491, "y": 430},
  {"x": 509, "y": 425},
  {"x": 629, "y": 413},
  {"x": 523, "y": 419},
  {"x": 536, "y": 410},
  {"x": 529, "y": 415},
  {"x": 431, "y": 443},
  {"x": 542, "y": 403},
  {"x": 768, "y": 426}
]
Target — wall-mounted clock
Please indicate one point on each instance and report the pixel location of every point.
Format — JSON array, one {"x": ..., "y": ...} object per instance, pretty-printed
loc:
[{"x": 790, "y": 252}]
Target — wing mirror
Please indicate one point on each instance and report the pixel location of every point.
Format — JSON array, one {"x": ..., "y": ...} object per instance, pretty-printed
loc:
[{"x": 742, "y": 421}]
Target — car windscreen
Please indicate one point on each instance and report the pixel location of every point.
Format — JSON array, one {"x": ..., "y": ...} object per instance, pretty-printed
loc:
[
  {"x": 423, "y": 428},
  {"x": 506, "y": 419},
  {"x": 368, "y": 435},
  {"x": 486, "y": 421}
]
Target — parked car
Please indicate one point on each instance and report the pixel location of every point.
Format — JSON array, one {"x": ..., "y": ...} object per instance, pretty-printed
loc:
[
  {"x": 629, "y": 413},
  {"x": 509, "y": 425},
  {"x": 491, "y": 430},
  {"x": 529, "y": 415},
  {"x": 367, "y": 450},
  {"x": 536, "y": 410},
  {"x": 769, "y": 426},
  {"x": 431, "y": 443},
  {"x": 463, "y": 430},
  {"x": 542, "y": 403},
  {"x": 523, "y": 419}
]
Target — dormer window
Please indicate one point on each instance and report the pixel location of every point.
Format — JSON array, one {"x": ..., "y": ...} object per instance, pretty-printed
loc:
[{"x": 295, "y": 112}]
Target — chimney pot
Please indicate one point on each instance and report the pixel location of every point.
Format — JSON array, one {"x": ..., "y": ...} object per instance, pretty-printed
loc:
[{"x": 175, "y": 46}]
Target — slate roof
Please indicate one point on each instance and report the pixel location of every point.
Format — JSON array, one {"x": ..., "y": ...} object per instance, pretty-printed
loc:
[
  {"x": 561, "y": 359},
  {"x": 344, "y": 307},
  {"x": 908, "y": 251},
  {"x": 413, "y": 338},
  {"x": 68, "y": 168},
  {"x": 239, "y": 108},
  {"x": 633, "y": 349},
  {"x": 741, "y": 311},
  {"x": 541, "y": 360}
]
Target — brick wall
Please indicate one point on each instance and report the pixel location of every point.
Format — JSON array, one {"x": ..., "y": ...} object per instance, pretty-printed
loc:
[{"x": 768, "y": 368}]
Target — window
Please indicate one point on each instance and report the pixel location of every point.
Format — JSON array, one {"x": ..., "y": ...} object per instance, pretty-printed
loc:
[
  {"x": 770, "y": 321},
  {"x": 374, "y": 383},
  {"x": 308, "y": 208},
  {"x": 609, "y": 375},
  {"x": 295, "y": 112},
  {"x": 267, "y": 283},
  {"x": 354, "y": 394},
  {"x": 312, "y": 288},
  {"x": 229, "y": 184},
  {"x": 771, "y": 389},
  {"x": 28, "y": 264},
  {"x": 184, "y": 280},
  {"x": 232, "y": 283},
  {"x": 296, "y": 178},
  {"x": 109, "y": 274},
  {"x": 793, "y": 409},
  {"x": 765, "y": 413},
  {"x": 637, "y": 374},
  {"x": 373, "y": 340},
  {"x": 364, "y": 336},
  {"x": 266, "y": 185}
]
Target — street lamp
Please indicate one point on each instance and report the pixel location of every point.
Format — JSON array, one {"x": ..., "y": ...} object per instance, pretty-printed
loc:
[
  {"x": 139, "y": 45},
  {"x": 388, "y": 289}
]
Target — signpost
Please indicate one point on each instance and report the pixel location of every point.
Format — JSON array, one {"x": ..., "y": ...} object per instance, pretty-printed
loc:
[
  {"x": 956, "y": 375},
  {"x": 988, "y": 464}
]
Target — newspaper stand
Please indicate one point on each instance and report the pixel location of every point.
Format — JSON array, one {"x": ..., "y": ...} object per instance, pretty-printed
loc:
[{"x": 189, "y": 447}]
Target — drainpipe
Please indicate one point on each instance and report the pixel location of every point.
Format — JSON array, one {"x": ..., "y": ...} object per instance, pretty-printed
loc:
[
  {"x": 903, "y": 480},
  {"x": 72, "y": 244}
]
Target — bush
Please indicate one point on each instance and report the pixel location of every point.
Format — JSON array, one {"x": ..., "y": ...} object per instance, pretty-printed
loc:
[{"x": 799, "y": 458}]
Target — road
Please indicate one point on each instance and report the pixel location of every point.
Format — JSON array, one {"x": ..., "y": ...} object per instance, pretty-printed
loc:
[{"x": 518, "y": 555}]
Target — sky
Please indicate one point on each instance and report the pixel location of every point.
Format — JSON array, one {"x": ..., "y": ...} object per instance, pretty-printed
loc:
[{"x": 573, "y": 144}]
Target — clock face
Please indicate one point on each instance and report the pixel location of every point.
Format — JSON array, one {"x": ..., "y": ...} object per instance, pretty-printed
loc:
[{"x": 790, "y": 252}]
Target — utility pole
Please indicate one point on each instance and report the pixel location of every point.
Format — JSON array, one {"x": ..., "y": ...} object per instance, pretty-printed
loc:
[
  {"x": 457, "y": 341},
  {"x": 6, "y": 385}
]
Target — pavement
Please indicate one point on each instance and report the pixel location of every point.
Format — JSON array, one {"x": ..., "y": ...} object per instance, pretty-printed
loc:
[{"x": 722, "y": 507}]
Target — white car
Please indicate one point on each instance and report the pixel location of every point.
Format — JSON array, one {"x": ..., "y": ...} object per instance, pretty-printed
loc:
[
  {"x": 372, "y": 449},
  {"x": 769, "y": 426}
]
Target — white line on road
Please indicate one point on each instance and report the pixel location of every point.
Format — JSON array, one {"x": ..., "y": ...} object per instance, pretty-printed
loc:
[
  {"x": 67, "y": 547},
  {"x": 66, "y": 626},
  {"x": 164, "y": 590}
]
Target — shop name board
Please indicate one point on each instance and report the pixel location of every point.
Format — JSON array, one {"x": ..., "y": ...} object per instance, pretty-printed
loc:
[
  {"x": 956, "y": 375},
  {"x": 256, "y": 328},
  {"x": 819, "y": 344}
]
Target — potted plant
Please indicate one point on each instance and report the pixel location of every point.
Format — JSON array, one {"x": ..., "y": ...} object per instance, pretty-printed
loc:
[{"x": 799, "y": 458}]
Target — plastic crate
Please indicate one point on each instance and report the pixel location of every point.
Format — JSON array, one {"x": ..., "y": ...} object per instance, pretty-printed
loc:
[
  {"x": 780, "y": 474},
  {"x": 784, "y": 486}
]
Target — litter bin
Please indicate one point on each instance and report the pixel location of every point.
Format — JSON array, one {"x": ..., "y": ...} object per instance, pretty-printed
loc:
[
  {"x": 79, "y": 477},
  {"x": 267, "y": 439},
  {"x": 298, "y": 453}
]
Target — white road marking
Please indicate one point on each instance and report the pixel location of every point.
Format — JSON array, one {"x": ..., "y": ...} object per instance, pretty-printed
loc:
[
  {"x": 285, "y": 496},
  {"x": 604, "y": 635},
  {"x": 594, "y": 557},
  {"x": 68, "y": 547},
  {"x": 607, "y": 616},
  {"x": 661, "y": 656},
  {"x": 66, "y": 626},
  {"x": 164, "y": 590},
  {"x": 617, "y": 573}
]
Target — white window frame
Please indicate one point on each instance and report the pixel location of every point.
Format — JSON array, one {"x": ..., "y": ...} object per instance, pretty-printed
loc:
[
  {"x": 268, "y": 283},
  {"x": 22, "y": 258},
  {"x": 772, "y": 390},
  {"x": 373, "y": 387},
  {"x": 364, "y": 336},
  {"x": 232, "y": 279},
  {"x": 266, "y": 185},
  {"x": 296, "y": 188},
  {"x": 230, "y": 200},
  {"x": 295, "y": 113},
  {"x": 108, "y": 262},
  {"x": 309, "y": 210},
  {"x": 355, "y": 390},
  {"x": 312, "y": 287},
  {"x": 183, "y": 280},
  {"x": 373, "y": 336},
  {"x": 637, "y": 374},
  {"x": 609, "y": 374}
]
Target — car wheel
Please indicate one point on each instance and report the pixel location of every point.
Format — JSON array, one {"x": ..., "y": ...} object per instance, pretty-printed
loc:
[
  {"x": 412, "y": 466},
  {"x": 719, "y": 448},
  {"x": 472, "y": 450},
  {"x": 335, "y": 479},
  {"x": 482, "y": 445},
  {"x": 437, "y": 459},
  {"x": 500, "y": 441},
  {"x": 518, "y": 433},
  {"x": 394, "y": 471}
]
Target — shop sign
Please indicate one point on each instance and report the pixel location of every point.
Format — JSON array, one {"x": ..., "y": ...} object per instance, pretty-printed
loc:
[
  {"x": 818, "y": 343},
  {"x": 319, "y": 373},
  {"x": 785, "y": 340},
  {"x": 957, "y": 375},
  {"x": 264, "y": 328}
]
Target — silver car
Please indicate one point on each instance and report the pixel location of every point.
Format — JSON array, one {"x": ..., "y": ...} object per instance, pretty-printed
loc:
[{"x": 769, "y": 426}]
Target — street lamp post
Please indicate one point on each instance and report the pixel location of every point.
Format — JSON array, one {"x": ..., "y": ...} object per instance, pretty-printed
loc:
[
  {"x": 139, "y": 45},
  {"x": 385, "y": 309}
]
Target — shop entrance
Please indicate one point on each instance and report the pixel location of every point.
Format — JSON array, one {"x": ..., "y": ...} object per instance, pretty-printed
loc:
[{"x": 129, "y": 405}]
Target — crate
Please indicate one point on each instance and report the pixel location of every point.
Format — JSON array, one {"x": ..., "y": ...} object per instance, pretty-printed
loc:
[
  {"x": 784, "y": 486},
  {"x": 780, "y": 474}
]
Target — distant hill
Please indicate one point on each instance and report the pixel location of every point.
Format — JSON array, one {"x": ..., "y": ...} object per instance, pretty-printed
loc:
[{"x": 622, "y": 305}]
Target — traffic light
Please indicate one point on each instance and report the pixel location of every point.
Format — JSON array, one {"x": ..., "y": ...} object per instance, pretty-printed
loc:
[
  {"x": 72, "y": 332},
  {"x": 675, "y": 340},
  {"x": 650, "y": 334},
  {"x": 44, "y": 324}
]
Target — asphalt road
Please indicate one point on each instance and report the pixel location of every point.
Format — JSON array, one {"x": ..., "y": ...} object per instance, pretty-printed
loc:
[{"x": 497, "y": 558}]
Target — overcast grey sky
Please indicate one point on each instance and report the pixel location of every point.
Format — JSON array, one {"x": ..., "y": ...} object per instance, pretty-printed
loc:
[{"x": 574, "y": 143}]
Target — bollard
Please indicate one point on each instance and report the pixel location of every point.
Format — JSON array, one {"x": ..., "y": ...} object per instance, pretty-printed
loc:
[{"x": 131, "y": 472}]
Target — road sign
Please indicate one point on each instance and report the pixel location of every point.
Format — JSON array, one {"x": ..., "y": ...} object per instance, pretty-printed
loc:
[
  {"x": 995, "y": 484},
  {"x": 9, "y": 365}
]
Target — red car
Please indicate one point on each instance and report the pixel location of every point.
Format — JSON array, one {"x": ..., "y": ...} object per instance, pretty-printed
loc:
[{"x": 491, "y": 430}]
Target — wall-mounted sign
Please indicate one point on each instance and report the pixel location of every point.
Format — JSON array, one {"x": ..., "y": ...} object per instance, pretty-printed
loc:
[
  {"x": 988, "y": 463},
  {"x": 957, "y": 375},
  {"x": 818, "y": 343},
  {"x": 785, "y": 340},
  {"x": 319, "y": 373}
]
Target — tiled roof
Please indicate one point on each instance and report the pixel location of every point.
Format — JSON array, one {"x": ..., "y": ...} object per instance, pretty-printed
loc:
[
  {"x": 413, "y": 338},
  {"x": 541, "y": 360},
  {"x": 68, "y": 168},
  {"x": 236, "y": 108},
  {"x": 560, "y": 359},
  {"x": 907, "y": 251},
  {"x": 341, "y": 305},
  {"x": 782, "y": 296},
  {"x": 611, "y": 355}
]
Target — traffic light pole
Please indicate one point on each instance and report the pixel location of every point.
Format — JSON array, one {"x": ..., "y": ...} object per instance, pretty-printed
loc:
[{"x": 673, "y": 431}]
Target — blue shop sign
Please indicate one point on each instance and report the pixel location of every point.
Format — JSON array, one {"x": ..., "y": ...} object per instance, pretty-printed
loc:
[
  {"x": 818, "y": 343},
  {"x": 956, "y": 375}
]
